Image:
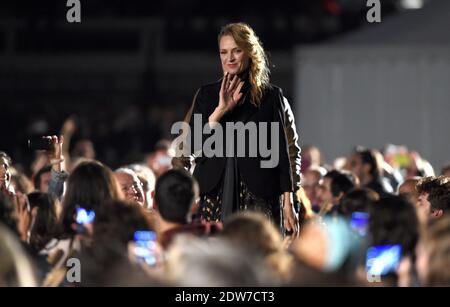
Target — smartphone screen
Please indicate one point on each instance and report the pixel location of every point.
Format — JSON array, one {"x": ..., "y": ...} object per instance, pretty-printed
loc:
[
  {"x": 84, "y": 216},
  {"x": 145, "y": 244},
  {"x": 359, "y": 222},
  {"x": 39, "y": 143},
  {"x": 383, "y": 259}
]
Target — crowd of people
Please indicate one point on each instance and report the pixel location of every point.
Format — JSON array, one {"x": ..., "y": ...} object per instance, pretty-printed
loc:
[{"x": 374, "y": 218}]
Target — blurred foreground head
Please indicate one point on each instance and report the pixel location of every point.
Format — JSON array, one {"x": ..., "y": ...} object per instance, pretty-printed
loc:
[
  {"x": 15, "y": 268},
  {"x": 215, "y": 262}
]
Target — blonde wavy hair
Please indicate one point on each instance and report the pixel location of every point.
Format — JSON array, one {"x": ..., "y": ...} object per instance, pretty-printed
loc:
[{"x": 245, "y": 38}]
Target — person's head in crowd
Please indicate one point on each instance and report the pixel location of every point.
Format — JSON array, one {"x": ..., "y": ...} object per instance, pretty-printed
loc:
[
  {"x": 175, "y": 195},
  {"x": 366, "y": 164},
  {"x": 433, "y": 254},
  {"x": 432, "y": 188},
  {"x": 439, "y": 199},
  {"x": 16, "y": 269},
  {"x": 45, "y": 212},
  {"x": 131, "y": 185},
  {"x": 89, "y": 186},
  {"x": 148, "y": 180},
  {"x": 83, "y": 148},
  {"x": 311, "y": 157},
  {"x": 357, "y": 200},
  {"x": 160, "y": 160},
  {"x": 255, "y": 231},
  {"x": 340, "y": 163},
  {"x": 331, "y": 246},
  {"x": 311, "y": 183},
  {"x": 215, "y": 262},
  {"x": 335, "y": 185},
  {"x": 446, "y": 170},
  {"x": 408, "y": 189},
  {"x": 5, "y": 173},
  {"x": 42, "y": 179},
  {"x": 105, "y": 256},
  {"x": 393, "y": 220},
  {"x": 20, "y": 182},
  {"x": 15, "y": 214},
  {"x": 241, "y": 51}
]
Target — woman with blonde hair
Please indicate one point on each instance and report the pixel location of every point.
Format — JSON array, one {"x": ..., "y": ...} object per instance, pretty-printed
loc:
[{"x": 230, "y": 182}]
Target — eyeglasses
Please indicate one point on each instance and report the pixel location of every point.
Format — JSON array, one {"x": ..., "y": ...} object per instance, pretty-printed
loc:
[{"x": 135, "y": 186}]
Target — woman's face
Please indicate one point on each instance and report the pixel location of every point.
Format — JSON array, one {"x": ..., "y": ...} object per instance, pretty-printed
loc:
[{"x": 234, "y": 59}]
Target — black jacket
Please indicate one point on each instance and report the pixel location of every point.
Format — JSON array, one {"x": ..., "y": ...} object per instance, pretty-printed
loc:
[{"x": 263, "y": 182}]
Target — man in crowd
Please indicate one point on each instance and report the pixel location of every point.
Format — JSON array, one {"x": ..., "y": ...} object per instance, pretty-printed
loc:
[
  {"x": 335, "y": 185},
  {"x": 5, "y": 174},
  {"x": 176, "y": 193},
  {"x": 131, "y": 185},
  {"x": 434, "y": 197}
]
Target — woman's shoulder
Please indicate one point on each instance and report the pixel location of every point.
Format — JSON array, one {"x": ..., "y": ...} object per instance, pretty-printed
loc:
[
  {"x": 273, "y": 94},
  {"x": 273, "y": 89},
  {"x": 210, "y": 87}
]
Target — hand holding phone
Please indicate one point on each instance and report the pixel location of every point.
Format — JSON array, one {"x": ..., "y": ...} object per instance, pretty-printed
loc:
[
  {"x": 145, "y": 247},
  {"x": 84, "y": 218}
]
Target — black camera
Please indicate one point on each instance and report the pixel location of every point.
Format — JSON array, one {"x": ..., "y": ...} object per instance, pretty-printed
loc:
[{"x": 39, "y": 143}]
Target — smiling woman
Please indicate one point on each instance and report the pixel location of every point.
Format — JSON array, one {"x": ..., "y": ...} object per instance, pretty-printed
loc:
[{"x": 244, "y": 95}]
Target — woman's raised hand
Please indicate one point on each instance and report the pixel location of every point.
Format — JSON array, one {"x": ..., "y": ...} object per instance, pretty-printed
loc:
[
  {"x": 230, "y": 92},
  {"x": 229, "y": 96}
]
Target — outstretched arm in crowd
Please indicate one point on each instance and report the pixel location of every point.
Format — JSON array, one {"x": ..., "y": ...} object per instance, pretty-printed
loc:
[
  {"x": 56, "y": 158},
  {"x": 67, "y": 131}
]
